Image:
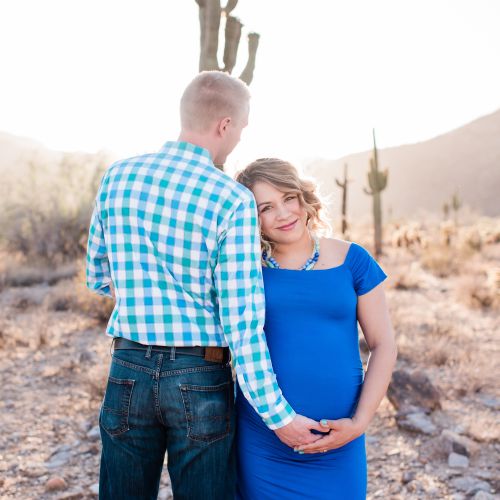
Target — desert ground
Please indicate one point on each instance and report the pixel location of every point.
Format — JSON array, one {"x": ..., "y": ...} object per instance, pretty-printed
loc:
[{"x": 436, "y": 436}]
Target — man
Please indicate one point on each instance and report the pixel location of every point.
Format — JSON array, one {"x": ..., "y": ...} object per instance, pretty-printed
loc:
[{"x": 178, "y": 241}]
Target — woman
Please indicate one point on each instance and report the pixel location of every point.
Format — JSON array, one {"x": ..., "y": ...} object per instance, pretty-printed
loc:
[{"x": 317, "y": 289}]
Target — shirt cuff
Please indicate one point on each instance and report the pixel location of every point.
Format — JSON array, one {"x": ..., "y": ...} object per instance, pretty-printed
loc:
[
  {"x": 101, "y": 289},
  {"x": 283, "y": 415}
]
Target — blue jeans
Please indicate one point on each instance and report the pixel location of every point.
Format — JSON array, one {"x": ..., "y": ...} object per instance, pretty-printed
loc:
[{"x": 164, "y": 401}]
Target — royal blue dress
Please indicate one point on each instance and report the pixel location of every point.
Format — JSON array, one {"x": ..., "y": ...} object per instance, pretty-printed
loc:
[{"x": 311, "y": 331}]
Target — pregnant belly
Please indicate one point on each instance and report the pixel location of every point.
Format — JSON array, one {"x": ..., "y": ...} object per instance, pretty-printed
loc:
[
  {"x": 315, "y": 392},
  {"x": 321, "y": 393},
  {"x": 320, "y": 379}
]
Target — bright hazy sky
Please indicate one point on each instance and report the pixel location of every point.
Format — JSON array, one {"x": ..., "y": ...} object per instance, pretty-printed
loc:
[{"x": 108, "y": 74}]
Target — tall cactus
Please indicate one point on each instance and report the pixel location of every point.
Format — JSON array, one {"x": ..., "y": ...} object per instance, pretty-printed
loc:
[
  {"x": 377, "y": 181},
  {"x": 210, "y": 13},
  {"x": 456, "y": 204},
  {"x": 446, "y": 210},
  {"x": 343, "y": 186}
]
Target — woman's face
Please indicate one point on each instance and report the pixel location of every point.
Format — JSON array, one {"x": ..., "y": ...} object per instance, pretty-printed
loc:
[{"x": 282, "y": 218}]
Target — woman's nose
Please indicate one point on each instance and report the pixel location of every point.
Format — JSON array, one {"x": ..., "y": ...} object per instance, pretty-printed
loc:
[{"x": 282, "y": 212}]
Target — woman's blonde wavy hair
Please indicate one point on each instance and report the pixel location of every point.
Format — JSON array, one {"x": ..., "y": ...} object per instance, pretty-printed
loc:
[{"x": 285, "y": 177}]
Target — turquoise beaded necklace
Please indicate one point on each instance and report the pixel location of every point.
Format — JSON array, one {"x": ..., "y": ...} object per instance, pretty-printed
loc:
[{"x": 271, "y": 262}]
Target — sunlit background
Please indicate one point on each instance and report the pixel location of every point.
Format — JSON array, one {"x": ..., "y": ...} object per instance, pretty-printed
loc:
[{"x": 90, "y": 75}]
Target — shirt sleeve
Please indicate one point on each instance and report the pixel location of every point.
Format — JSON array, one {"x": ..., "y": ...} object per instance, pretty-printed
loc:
[
  {"x": 366, "y": 272},
  {"x": 239, "y": 285},
  {"x": 98, "y": 274}
]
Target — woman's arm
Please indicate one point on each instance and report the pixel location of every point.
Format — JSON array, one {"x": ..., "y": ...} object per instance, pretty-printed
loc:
[{"x": 373, "y": 316}]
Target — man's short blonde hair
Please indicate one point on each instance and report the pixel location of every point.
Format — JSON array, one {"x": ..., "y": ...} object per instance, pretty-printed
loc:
[{"x": 211, "y": 96}]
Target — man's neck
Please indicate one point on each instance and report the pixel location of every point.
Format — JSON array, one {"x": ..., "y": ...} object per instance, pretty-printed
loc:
[{"x": 198, "y": 140}]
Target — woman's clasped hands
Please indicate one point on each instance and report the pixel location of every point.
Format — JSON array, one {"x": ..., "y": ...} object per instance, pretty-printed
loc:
[{"x": 338, "y": 433}]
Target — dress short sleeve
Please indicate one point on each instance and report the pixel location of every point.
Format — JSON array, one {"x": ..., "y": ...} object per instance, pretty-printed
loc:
[{"x": 366, "y": 272}]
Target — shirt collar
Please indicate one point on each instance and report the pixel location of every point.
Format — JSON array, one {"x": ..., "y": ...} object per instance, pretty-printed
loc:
[{"x": 181, "y": 148}]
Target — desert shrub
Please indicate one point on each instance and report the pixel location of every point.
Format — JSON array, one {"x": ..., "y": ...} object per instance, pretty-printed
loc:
[
  {"x": 46, "y": 214},
  {"x": 406, "y": 281},
  {"x": 476, "y": 292},
  {"x": 13, "y": 334},
  {"x": 439, "y": 351},
  {"x": 89, "y": 302},
  {"x": 17, "y": 272},
  {"x": 440, "y": 260},
  {"x": 73, "y": 295}
]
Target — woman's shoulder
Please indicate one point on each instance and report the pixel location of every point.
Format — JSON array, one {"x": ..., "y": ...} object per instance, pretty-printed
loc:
[
  {"x": 333, "y": 252},
  {"x": 336, "y": 252}
]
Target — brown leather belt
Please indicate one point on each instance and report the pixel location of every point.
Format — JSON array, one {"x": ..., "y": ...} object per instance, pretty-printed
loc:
[{"x": 211, "y": 353}]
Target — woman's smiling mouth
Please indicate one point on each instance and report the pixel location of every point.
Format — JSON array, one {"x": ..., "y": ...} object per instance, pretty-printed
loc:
[{"x": 288, "y": 226}]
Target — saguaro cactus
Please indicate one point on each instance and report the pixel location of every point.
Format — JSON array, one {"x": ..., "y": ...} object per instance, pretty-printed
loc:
[
  {"x": 343, "y": 186},
  {"x": 446, "y": 210},
  {"x": 377, "y": 181},
  {"x": 210, "y": 13},
  {"x": 456, "y": 204}
]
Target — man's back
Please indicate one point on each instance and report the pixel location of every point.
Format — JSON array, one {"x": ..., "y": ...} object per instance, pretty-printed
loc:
[{"x": 163, "y": 216}]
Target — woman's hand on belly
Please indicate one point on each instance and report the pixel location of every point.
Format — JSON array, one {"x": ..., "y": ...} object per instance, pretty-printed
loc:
[{"x": 342, "y": 431}]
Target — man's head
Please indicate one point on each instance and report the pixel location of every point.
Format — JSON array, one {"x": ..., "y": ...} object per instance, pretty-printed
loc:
[{"x": 214, "y": 111}]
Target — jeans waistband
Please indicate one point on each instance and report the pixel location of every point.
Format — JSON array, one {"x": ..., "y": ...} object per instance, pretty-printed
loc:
[{"x": 216, "y": 354}]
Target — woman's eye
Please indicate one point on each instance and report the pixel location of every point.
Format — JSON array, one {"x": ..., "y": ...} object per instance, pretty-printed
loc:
[
  {"x": 265, "y": 209},
  {"x": 288, "y": 198}
]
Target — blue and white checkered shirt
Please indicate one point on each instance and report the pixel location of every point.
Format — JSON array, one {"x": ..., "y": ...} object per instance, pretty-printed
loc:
[{"x": 179, "y": 240}]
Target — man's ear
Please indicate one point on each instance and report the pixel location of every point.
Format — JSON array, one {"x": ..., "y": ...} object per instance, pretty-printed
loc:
[{"x": 223, "y": 125}]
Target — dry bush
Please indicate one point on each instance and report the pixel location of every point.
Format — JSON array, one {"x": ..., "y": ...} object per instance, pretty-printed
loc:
[
  {"x": 438, "y": 352},
  {"x": 433, "y": 341},
  {"x": 476, "y": 292},
  {"x": 441, "y": 261},
  {"x": 73, "y": 295},
  {"x": 451, "y": 247},
  {"x": 406, "y": 281},
  {"x": 20, "y": 273},
  {"x": 408, "y": 235},
  {"x": 47, "y": 215},
  {"x": 12, "y": 334},
  {"x": 470, "y": 240},
  {"x": 95, "y": 379}
]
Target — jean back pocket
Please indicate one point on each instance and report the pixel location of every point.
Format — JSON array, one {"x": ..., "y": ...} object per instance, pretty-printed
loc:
[
  {"x": 208, "y": 411},
  {"x": 116, "y": 406}
]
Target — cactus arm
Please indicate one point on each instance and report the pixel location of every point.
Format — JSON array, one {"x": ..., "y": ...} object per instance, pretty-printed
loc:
[
  {"x": 231, "y": 4},
  {"x": 253, "y": 44},
  {"x": 233, "y": 35}
]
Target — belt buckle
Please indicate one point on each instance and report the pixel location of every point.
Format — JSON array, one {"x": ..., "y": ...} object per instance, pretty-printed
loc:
[{"x": 214, "y": 354}]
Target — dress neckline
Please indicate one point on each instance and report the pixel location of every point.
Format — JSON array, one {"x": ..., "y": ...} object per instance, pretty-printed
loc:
[{"x": 316, "y": 270}]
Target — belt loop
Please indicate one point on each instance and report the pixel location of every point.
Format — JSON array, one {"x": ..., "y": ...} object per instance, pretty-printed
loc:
[
  {"x": 148, "y": 352},
  {"x": 111, "y": 347},
  {"x": 172, "y": 353}
]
